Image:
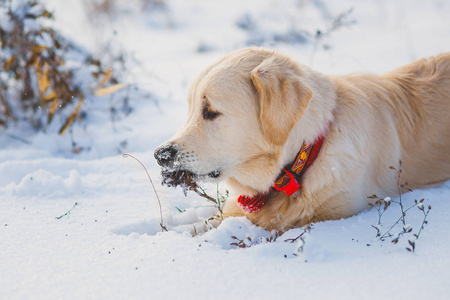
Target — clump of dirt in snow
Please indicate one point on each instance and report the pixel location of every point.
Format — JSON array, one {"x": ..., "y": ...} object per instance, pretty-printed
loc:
[{"x": 181, "y": 178}]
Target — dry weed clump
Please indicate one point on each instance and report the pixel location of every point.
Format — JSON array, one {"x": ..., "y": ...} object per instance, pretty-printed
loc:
[
  {"x": 299, "y": 239},
  {"x": 400, "y": 227},
  {"x": 185, "y": 179},
  {"x": 39, "y": 68}
]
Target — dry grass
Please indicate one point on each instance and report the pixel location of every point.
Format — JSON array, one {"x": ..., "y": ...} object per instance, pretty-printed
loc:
[{"x": 38, "y": 68}]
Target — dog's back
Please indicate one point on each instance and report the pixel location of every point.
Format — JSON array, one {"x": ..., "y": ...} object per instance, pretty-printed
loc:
[
  {"x": 421, "y": 104},
  {"x": 410, "y": 112}
]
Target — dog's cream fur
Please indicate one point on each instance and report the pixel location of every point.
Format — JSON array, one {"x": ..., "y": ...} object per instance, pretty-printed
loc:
[{"x": 269, "y": 105}]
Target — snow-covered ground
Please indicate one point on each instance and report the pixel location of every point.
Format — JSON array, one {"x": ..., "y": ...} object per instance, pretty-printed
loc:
[{"x": 86, "y": 225}]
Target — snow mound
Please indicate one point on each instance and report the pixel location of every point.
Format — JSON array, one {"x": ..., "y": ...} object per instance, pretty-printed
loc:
[{"x": 42, "y": 183}]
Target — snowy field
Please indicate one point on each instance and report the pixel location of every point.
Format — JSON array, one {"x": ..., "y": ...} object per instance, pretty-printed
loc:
[{"x": 85, "y": 225}]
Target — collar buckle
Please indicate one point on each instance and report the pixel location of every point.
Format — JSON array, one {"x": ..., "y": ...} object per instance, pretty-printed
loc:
[{"x": 287, "y": 184}]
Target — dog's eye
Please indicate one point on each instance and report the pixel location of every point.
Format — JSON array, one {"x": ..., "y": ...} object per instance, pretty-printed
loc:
[{"x": 209, "y": 114}]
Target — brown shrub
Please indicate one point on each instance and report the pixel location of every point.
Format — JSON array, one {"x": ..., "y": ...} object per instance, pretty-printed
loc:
[{"x": 39, "y": 68}]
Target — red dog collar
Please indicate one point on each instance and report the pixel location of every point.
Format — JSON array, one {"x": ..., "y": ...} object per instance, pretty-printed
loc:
[
  {"x": 252, "y": 204},
  {"x": 288, "y": 181}
]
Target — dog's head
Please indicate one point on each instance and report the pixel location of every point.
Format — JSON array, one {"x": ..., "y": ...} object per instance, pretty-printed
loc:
[{"x": 242, "y": 110}]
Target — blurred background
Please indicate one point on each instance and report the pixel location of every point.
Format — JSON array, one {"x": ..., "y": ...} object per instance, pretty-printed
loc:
[{"x": 92, "y": 78}]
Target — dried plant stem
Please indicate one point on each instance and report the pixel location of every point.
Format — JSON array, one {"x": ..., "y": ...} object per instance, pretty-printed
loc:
[
  {"x": 387, "y": 233},
  {"x": 399, "y": 190},
  {"x": 306, "y": 230},
  {"x": 201, "y": 192},
  {"x": 163, "y": 228},
  {"x": 425, "y": 215},
  {"x": 219, "y": 206}
]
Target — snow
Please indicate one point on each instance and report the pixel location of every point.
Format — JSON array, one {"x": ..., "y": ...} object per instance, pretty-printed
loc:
[{"x": 87, "y": 225}]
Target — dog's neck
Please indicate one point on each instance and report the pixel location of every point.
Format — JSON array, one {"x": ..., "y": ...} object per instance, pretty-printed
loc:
[{"x": 314, "y": 123}]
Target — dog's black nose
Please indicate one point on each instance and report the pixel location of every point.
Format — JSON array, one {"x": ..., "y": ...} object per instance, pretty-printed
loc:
[{"x": 165, "y": 155}]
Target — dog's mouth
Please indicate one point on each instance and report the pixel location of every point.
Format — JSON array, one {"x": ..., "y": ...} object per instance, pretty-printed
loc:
[{"x": 186, "y": 179}]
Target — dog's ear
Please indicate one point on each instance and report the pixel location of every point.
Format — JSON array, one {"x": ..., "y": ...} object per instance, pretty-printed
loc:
[{"x": 283, "y": 95}]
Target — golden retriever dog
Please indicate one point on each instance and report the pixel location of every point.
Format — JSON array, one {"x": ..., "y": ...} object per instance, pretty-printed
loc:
[{"x": 256, "y": 117}]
